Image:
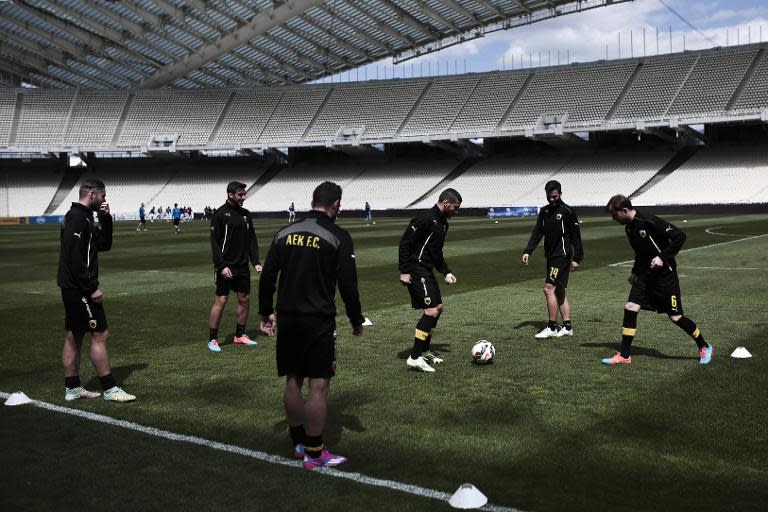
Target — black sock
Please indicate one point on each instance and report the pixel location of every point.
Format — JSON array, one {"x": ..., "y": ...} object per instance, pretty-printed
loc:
[
  {"x": 72, "y": 382},
  {"x": 313, "y": 446},
  {"x": 431, "y": 333},
  {"x": 240, "y": 330},
  {"x": 107, "y": 382},
  {"x": 214, "y": 334},
  {"x": 297, "y": 434},
  {"x": 628, "y": 331},
  {"x": 552, "y": 324},
  {"x": 689, "y": 326},
  {"x": 567, "y": 325},
  {"x": 423, "y": 326}
]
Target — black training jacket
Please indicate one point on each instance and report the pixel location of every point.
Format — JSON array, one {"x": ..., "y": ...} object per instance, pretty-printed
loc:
[
  {"x": 559, "y": 226},
  {"x": 421, "y": 246},
  {"x": 651, "y": 236},
  {"x": 81, "y": 240},
  {"x": 233, "y": 239},
  {"x": 311, "y": 256}
]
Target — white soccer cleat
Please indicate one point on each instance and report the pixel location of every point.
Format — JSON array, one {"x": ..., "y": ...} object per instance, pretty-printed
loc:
[
  {"x": 418, "y": 364},
  {"x": 548, "y": 333},
  {"x": 564, "y": 332}
]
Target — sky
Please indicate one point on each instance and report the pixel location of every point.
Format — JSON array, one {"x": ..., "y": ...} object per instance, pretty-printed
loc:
[{"x": 590, "y": 36}]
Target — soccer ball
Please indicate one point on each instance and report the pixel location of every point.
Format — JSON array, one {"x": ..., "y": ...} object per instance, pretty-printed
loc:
[{"x": 483, "y": 352}]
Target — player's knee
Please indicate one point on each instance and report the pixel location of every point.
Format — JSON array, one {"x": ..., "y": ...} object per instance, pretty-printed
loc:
[
  {"x": 221, "y": 300},
  {"x": 631, "y": 306},
  {"x": 675, "y": 318},
  {"x": 243, "y": 298},
  {"x": 434, "y": 312},
  {"x": 549, "y": 289}
]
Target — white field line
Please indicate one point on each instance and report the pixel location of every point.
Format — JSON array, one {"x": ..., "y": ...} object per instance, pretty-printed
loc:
[
  {"x": 254, "y": 454},
  {"x": 623, "y": 263}
]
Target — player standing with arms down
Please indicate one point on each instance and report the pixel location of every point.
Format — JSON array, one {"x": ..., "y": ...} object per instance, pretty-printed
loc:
[
  {"x": 233, "y": 243},
  {"x": 310, "y": 256},
  {"x": 655, "y": 285},
  {"x": 421, "y": 250},
  {"x": 78, "y": 278},
  {"x": 142, "y": 219},
  {"x": 559, "y": 226}
]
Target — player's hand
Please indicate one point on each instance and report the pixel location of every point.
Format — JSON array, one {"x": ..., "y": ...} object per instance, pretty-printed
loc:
[
  {"x": 258, "y": 267},
  {"x": 632, "y": 279},
  {"x": 525, "y": 259},
  {"x": 226, "y": 273},
  {"x": 657, "y": 262},
  {"x": 450, "y": 278},
  {"x": 357, "y": 330},
  {"x": 405, "y": 279},
  {"x": 97, "y": 296},
  {"x": 104, "y": 208},
  {"x": 267, "y": 325},
  {"x": 574, "y": 265}
]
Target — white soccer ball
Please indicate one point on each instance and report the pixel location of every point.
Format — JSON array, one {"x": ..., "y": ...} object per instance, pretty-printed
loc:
[{"x": 483, "y": 352}]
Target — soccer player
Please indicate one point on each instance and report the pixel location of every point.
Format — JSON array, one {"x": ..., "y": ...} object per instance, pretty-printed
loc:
[
  {"x": 558, "y": 225},
  {"x": 311, "y": 257},
  {"x": 176, "y": 215},
  {"x": 368, "y": 216},
  {"x": 421, "y": 250},
  {"x": 142, "y": 219},
  {"x": 78, "y": 277},
  {"x": 233, "y": 243},
  {"x": 291, "y": 213},
  {"x": 655, "y": 286},
  {"x": 152, "y": 214}
]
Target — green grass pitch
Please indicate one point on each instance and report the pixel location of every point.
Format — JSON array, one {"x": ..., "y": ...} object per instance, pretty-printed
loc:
[{"x": 546, "y": 427}]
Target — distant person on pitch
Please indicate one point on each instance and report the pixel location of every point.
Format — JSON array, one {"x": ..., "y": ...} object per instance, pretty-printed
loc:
[
  {"x": 559, "y": 226},
  {"x": 368, "y": 216},
  {"x": 142, "y": 219},
  {"x": 78, "y": 277},
  {"x": 233, "y": 243},
  {"x": 291, "y": 213},
  {"x": 176, "y": 215}
]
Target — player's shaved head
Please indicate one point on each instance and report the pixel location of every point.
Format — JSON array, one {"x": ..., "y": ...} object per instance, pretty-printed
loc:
[{"x": 450, "y": 195}]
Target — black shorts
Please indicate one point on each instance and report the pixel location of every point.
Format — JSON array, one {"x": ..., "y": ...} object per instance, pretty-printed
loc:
[
  {"x": 240, "y": 281},
  {"x": 424, "y": 291},
  {"x": 558, "y": 270},
  {"x": 175, "y": 222},
  {"x": 660, "y": 293},
  {"x": 142, "y": 219},
  {"x": 81, "y": 313},
  {"x": 306, "y": 345}
]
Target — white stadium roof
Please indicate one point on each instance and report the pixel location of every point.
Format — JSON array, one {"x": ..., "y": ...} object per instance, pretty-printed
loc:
[{"x": 101, "y": 44}]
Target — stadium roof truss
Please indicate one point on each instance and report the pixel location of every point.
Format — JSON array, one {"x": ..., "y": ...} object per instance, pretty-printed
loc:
[{"x": 101, "y": 44}]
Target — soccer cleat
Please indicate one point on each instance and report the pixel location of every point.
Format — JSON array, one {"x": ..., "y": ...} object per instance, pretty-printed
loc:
[
  {"x": 705, "y": 355},
  {"x": 617, "y": 359},
  {"x": 548, "y": 333},
  {"x": 326, "y": 459},
  {"x": 213, "y": 346},
  {"x": 564, "y": 332},
  {"x": 431, "y": 358},
  {"x": 79, "y": 392},
  {"x": 298, "y": 451},
  {"x": 419, "y": 364},
  {"x": 116, "y": 394},
  {"x": 243, "y": 340}
]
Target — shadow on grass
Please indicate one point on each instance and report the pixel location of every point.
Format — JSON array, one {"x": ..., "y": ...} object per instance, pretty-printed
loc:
[
  {"x": 538, "y": 324},
  {"x": 638, "y": 351},
  {"x": 437, "y": 348},
  {"x": 120, "y": 373}
]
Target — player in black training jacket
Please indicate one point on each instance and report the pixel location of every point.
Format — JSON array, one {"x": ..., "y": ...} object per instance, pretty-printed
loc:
[
  {"x": 311, "y": 257},
  {"x": 654, "y": 281},
  {"x": 558, "y": 224},
  {"x": 78, "y": 278},
  {"x": 421, "y": 250},
  {"x": 233, "y": 243}
]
